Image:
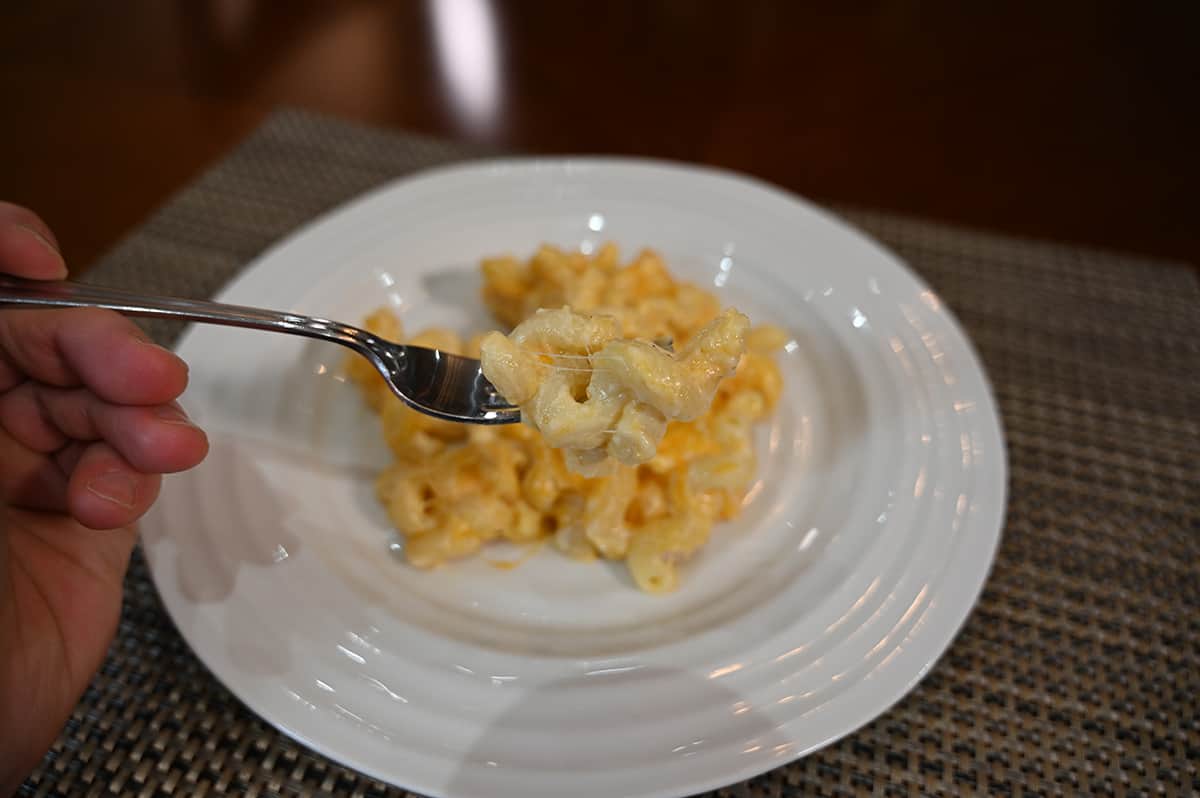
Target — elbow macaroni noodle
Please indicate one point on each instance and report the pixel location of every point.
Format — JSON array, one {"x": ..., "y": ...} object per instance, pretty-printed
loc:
[{"x": 679, "y": 426}]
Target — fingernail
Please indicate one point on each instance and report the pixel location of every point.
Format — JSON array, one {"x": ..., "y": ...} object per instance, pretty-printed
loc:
[
  {"x": 172, "y": 414},
  {"x": 45, "y": 242},
  {"x": 117, "y": 487}
]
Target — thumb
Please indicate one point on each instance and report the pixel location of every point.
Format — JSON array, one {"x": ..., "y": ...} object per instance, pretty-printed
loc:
[{"x": 27, "y": 247}]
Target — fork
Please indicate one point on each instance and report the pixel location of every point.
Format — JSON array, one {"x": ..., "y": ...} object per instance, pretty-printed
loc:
[{"x": 443, "y": 385}]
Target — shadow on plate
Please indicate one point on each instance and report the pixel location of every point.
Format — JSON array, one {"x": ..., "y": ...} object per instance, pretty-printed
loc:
[
  {"x": 458, "y": 287},
  {"x": 216, "y": 543}
]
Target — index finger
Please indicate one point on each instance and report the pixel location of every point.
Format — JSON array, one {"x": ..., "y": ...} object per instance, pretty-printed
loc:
[{"x": 97, "y": 349}]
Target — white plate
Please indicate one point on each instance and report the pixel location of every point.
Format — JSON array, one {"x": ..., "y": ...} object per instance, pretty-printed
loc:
[{"x": 867, "y": 541}]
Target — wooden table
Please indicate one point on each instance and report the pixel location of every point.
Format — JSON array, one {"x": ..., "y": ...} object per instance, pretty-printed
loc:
[{"x": 1071, "y": 120}]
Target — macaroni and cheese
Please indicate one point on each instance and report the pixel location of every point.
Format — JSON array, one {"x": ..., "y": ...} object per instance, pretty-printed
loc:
[
  {"x": 680, "y": 430},
  {"x": 595, "y": 395}
]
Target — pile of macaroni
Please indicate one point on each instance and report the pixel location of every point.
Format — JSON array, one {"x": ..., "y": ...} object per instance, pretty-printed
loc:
[{"x": 455, "y": 487}]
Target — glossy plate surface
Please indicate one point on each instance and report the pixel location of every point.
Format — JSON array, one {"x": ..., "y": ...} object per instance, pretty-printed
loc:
[{"x": 865, "y": 544}]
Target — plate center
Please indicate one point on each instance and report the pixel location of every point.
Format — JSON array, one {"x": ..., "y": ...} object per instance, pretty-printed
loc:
[{"x": 538, "y": 601}]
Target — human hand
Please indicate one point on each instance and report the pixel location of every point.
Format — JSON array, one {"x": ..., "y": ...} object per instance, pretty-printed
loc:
[{"x": 88, "y": 423}]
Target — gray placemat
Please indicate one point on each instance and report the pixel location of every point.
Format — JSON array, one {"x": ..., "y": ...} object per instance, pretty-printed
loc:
[{"x": 1078, "y": 673}]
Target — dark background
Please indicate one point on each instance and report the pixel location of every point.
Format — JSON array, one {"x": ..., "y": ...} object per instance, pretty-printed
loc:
[{"x": 1073, "y": 121}]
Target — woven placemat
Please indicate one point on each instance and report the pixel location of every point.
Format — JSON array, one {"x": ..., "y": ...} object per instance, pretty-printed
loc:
[{"x": 1078, "y": 673}]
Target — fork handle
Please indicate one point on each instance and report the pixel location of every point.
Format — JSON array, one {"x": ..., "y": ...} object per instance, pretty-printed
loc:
[{"x": 15, "y": 291}]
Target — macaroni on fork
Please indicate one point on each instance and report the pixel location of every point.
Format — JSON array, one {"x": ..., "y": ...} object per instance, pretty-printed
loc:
[
  {"x": 680, "y": 427},
  {"x": 595, "y": 395}
]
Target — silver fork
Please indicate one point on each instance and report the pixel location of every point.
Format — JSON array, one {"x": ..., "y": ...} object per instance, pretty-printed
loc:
[{"x": 446, "y": 386}]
